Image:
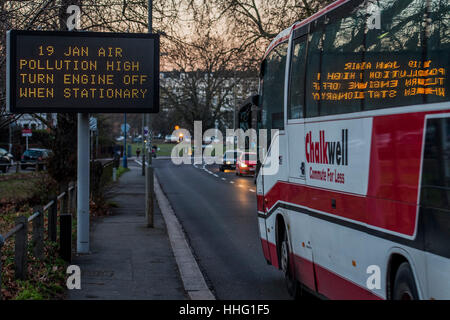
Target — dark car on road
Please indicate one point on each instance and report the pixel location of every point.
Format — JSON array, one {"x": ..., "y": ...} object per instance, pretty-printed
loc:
[
  {"x": 31, "y": 156},
  {"x": 229, "y": 160},
  {"x": 6, "y": 160}
]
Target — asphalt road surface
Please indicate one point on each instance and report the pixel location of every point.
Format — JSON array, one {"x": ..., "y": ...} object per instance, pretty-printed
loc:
[{"x": 218, "y": 213}]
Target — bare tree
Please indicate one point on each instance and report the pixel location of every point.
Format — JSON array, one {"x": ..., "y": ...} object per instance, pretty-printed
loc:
[{"x": 254, "y": 23}]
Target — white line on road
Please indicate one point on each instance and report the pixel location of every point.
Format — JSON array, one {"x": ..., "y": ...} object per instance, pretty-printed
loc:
[
  {"x": 224, "y": 179},
  {"x": 251, "y": 190},
  {"x": 215, "y": 175},
  {"x": 231, "y": 181},
  {"x": 193, "y": 281}
]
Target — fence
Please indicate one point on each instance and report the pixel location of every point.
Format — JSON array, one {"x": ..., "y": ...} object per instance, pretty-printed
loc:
[
  {"x": 101, "y": 175},
  {"x": 37, "y": 165},
  {"x": 67, "y": 206}
]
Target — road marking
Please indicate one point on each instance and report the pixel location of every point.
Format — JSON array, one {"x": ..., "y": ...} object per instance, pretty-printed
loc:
[
  {"x": 231, "y": 181},
  {"x": 215, "y": 175},
  {"x": 193, "y": 281},
  {"x": 224, "y": 179},
  {"x": 251, "y": 190}
]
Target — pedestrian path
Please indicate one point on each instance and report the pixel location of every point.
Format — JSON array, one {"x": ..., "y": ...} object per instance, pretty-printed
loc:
[{"x": 127, "y": 259}]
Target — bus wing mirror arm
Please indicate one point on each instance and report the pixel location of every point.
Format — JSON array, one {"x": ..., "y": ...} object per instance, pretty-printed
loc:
[{"x": 255, "y": 100}]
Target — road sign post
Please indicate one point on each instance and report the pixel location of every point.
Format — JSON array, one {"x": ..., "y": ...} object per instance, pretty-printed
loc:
[
  {"x": 26, "y": 133},
  {"x": 149, "y": 186},
  {"x": 83, "y": 184}
]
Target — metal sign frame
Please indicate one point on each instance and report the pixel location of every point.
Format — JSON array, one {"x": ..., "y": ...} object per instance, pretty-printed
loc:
[{"x": 11, "y": 68}]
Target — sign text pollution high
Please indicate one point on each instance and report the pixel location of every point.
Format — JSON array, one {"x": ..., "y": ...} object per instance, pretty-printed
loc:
[{"x": 82, "y": 72}]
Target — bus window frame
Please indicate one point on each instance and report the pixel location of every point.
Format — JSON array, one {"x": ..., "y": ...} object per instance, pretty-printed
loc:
[
  {"x": 261, "y": 84},
  {"x": 301, "y": 37}
]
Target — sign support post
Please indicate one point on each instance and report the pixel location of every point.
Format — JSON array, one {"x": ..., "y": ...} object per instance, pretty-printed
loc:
[
  {"x": 83, "y": 184},
  {"x": 149, "y": 183}
]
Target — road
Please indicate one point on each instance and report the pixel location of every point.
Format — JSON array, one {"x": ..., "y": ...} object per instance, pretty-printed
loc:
[{"x": 218, "y": 213}]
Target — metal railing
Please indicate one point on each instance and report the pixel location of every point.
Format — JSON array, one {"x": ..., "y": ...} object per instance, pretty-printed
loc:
[
  {"x": 38, "y": 165},
  {"x": 67, "y": 206}
]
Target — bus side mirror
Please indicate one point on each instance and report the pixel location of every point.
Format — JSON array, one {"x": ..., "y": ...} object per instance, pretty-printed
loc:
[{"x": 255, "y": 100}]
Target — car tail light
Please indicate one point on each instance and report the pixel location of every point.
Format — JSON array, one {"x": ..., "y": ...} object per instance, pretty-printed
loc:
[
  {"x": 40, "y": 158},
  {"x": 22, "y": 157}
]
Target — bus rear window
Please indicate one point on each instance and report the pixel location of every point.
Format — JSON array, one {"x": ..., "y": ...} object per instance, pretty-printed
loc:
[{"x": 273, "y": 88}]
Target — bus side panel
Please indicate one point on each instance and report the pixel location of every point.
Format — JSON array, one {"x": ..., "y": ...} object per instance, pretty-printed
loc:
[
  {"x": 438, "y": 269},
  {"x": 395, "y": 158},
  {"x": 300, "y": 234},
  {"x": 344, "y": 272}
]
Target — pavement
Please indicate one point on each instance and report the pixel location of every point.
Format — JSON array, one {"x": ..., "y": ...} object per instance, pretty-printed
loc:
[{"x": 127, "y": 259}]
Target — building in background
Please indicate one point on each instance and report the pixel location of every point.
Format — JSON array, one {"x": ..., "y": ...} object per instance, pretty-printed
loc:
[{"x": 32, "y": 122}]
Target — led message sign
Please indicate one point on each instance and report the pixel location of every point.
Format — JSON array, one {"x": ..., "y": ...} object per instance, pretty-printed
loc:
[
  {"x": 57, "y": 71},
  {"x": 380, "y": 80}
]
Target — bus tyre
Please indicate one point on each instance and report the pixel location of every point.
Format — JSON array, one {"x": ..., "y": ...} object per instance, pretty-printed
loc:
[
  {"x": 291, "y": 283},
  {"x": 404, "y": 284}
]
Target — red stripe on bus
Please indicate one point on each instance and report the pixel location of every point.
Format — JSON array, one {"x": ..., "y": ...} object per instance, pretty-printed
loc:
[
  {"x": 266, "y": 250},
  {"x": 304, "y": 271},
  {"x": 333, "y": 286},
  {"x": 319, "y": 14},
  {"x": 396, "y": 153},
  {"x": 329, "y": 284},
  {"x": 386, "y": 214}
]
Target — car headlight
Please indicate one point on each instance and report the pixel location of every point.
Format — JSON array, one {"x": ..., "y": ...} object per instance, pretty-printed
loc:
[
  {"x": 228, "y": 162},
  {"x": 243, "y": 165}
]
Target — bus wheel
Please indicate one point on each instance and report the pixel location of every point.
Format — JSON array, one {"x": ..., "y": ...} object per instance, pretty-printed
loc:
[
  {"x": 291, "y": 283},
  {"x": 404, "y": 285}
]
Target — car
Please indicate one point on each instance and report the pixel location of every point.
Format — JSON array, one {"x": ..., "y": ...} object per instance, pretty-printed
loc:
[
  {"x": 229, "y": 160},
  {"x": 6, "y": 160},
  {"x": 31, "y": 156},
  {"x": 246, "y": 164},
  {"x": 172, "y": 139},
  {"x": 168, "y": 138}
]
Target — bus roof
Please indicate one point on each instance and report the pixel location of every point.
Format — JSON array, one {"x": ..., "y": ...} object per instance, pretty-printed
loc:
[{"x": 285, "y": 34}]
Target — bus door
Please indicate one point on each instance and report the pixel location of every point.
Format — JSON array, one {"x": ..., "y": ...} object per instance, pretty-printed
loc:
[{"x": 299, "y": 219}]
